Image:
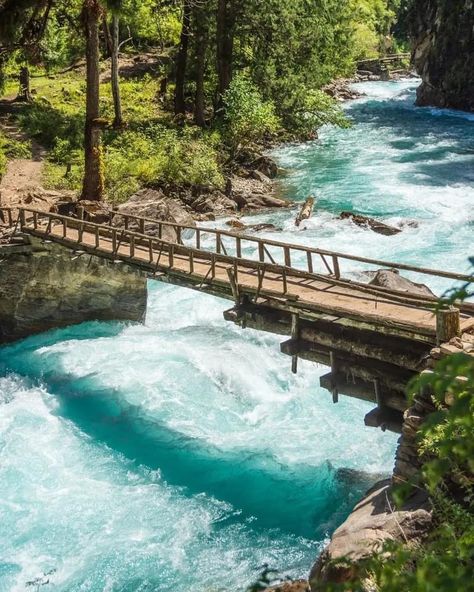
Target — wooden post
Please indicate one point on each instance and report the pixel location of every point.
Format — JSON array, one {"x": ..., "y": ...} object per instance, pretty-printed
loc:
[
  {"x": 142, "y": 226},
  {"x": 335, "y": 392},
  {"x": 287, "y": 256},
  {"x": 337, "y": 271},
  {"x": 22, "y": 218},
  {"x": 233, "y": 284},
  {"x": 238, "y": 246},
  {"x": 448, "y": 324},
  {"x": 198, "y": 239},
  {"x": 171, "y": 256},
  {"x": 295, "y": 335},
  {"x": 132, "y": 246},
  {"x": 261, "y": 252},
  {"x": 309, "y": 256}
]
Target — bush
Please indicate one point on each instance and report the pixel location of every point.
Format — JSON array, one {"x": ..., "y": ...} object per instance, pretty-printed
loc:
[
  {"x": 309, "y": 109},
  {"x": 248, "y": 118},
  {"x": 159, "y": 155}
]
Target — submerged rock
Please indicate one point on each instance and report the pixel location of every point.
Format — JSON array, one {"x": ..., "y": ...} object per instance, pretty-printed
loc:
[
  {"x": 238, "y": 226},
  {"x": 371, "y": 223}
]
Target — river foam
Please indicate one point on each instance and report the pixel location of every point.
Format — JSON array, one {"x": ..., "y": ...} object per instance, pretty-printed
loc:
[{"x": 183, "y": 454}]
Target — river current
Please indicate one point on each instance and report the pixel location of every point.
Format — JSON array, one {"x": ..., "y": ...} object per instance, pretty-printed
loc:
[{"x": 183, "y": 454}]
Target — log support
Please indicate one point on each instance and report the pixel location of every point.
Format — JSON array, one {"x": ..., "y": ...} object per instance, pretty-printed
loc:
[
  {"x": 295, "y": 333},
  {"x": 334, "y": 389},
  {"x": 448, "y": 324}
]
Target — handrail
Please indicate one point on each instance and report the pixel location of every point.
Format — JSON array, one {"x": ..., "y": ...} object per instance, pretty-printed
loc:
[
  {"x": 305, "y": 249},
  {"x": 262, "y": 243}
]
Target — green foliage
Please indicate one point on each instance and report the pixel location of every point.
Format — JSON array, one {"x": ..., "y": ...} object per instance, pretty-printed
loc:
[
  {"x": 248, "y": 118},
  {"x": 372, "y": 23},
  {"x": 308, "y": 110},
  {"x": 159, "y": 156}
]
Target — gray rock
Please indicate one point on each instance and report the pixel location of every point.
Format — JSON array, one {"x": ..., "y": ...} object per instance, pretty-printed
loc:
[
  {"x": 259, "y": 176},
  {"x": 392, "y": 280},
  {"x": 150, "y": 203},
  {"x": 372, "y": 523},
  {"x": 44, "y": 286},
  {"x": 266, "y": 165},
  {"x": 216, "y": 203}
]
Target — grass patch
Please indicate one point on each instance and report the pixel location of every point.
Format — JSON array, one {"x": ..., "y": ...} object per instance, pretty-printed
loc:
[{"x": 151, "y": 150}]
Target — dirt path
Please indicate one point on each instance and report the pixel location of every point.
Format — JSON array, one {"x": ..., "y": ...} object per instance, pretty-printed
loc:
[{"x": 23, "y": 175}]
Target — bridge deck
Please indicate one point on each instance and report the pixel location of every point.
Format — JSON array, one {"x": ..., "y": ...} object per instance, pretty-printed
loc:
[{"x": 286, "y": 288}]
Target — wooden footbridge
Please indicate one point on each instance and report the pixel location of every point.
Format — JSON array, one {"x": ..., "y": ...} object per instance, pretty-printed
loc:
[{"x": 374, "y": 339}]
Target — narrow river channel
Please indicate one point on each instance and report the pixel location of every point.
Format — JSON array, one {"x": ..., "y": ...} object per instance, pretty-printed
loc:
[{"x": 183, "y": 454}]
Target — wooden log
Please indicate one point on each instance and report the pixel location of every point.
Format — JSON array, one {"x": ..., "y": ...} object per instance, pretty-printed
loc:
[
  {"x": 306, "y": 211},
  {"x": 448, "y": 324}
]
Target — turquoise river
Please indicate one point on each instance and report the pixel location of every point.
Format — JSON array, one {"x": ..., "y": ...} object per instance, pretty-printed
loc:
[{"x": 183, "y": 454}]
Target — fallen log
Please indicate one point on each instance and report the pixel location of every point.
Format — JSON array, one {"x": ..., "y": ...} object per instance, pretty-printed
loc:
[
  {"x": 306, "y": 211},
  {"x": 371, "y": 223}
]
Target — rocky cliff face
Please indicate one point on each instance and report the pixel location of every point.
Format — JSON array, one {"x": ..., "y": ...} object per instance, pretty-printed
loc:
[
  {"x": 443, "y": 36},
  {"x": 44, "y": 286}
]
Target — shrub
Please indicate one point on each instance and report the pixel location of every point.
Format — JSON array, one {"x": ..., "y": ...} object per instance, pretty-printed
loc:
[
  {"x": 248, "y": 118},
  {"x": 159, "y": 155},
  {"x": 310, "y": 109}
]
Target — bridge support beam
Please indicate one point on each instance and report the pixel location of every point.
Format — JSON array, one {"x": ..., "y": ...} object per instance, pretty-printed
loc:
[{"x": 448, "y": 324}]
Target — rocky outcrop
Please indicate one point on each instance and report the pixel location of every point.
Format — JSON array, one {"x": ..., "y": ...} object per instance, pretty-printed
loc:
[
  {"x": 376, "y": 520},
  {"x": 373, "y": 522},
  {"x": 45, "y": 285},
  {"x": 443, "y": 52}
]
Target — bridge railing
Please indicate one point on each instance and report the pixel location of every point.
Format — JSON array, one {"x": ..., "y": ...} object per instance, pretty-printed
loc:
[
  {"x": 127, "y": 231},
  {"x": 266, "y": 250}
]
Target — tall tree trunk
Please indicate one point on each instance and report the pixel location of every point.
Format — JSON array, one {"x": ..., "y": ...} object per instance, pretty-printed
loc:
[
  {"x": 93, "y": 184},
  {"x": 118, "y": 121},
  {"x": 24, "y": 93},
  {"x": 226, "y": 15},
  {"x": 182, "y": 59},
  {"x": 201, "y": 47}
]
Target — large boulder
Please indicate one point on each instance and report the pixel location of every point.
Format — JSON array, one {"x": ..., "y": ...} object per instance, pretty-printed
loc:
[
  {"x": 266, "y": 165},
  {"x": 215, "y": 203},
  {"x": 373, "y": 522},
  {"x": 391, "y": 279},
  {"x": 153, "y": 204}
]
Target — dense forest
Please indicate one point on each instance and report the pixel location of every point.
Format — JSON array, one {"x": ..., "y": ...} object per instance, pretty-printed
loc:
[{"x": 224, "y": 75}]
